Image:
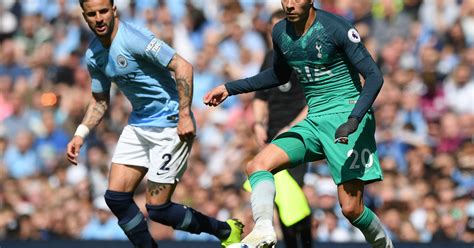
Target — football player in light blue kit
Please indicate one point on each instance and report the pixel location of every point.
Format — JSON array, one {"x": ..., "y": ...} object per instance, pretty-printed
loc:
[{"x": 160, "y": 131}]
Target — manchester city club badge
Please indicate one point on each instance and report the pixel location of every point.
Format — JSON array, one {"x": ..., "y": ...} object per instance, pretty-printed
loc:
[{"x": 122, "y": 61}]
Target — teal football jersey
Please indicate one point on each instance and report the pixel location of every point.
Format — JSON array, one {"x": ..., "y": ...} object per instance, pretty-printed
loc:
[{"x": 323, "y": 59}]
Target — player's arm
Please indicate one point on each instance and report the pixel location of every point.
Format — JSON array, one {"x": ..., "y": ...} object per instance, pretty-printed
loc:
[
  {"x": 260, "y": 107},
  {"x": 147, "y": 46},
  {"x": 183, "y": 71},
  {"x": 94, "y": 114},
  {"x": 96, "y": 109},
  {"x": 278, "y": 74},
  {"x": 301, "y": 115},
  {"x": 260, "y": 112},
  {"x": 360, "y": 58},
  {"x": 349, "y": 41},
  {"x": 373, "y": 83}
]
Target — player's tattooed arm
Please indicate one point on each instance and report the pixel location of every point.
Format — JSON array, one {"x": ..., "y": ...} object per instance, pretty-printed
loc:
[
  {"x": 96, "y": 109},
  {"x": 184, "y": 81},
  {"x": 183, "y": 74}
]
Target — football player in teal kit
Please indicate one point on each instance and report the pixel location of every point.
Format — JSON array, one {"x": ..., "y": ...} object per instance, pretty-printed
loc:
[
  {"x": 160, "y": 131},
  {"x": 327, "y": 55}
]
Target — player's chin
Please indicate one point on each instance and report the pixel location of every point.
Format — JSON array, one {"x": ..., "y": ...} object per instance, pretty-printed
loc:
[{"x": 292, "y": 18}]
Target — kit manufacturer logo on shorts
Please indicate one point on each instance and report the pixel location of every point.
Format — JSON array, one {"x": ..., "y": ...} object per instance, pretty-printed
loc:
[{"x": 122, "y": 61}]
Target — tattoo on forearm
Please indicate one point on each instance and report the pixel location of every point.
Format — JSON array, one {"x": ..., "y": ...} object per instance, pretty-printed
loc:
[
  {"x": 185, "y": 91},
  {"x": 155, "y": 188},
  {"x": 95, "y": 113}
]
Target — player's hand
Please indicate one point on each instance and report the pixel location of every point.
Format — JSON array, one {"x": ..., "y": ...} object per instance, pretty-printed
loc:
[
  {"x": 343, "y": 131},
  {"x": 260, "y": 134},
  {"x": 216, "y": 96},
  {"x": 186, "y": 127},
  {"x": 73, "y": 148}
]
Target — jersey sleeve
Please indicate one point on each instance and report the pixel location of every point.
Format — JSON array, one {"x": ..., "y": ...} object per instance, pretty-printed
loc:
[
  {"x": 279, "y": 73},
  {"x": 280, "y": 66},
  {"x": 146, "y": 45},
  {"x": 267, "y": 63},
  {"x": 348, "y": 40},
  {"x": 99, "y": 82}
]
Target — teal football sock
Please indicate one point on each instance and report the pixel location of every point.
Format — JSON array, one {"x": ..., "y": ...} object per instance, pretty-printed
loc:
[{"x": 370, "y": 225}]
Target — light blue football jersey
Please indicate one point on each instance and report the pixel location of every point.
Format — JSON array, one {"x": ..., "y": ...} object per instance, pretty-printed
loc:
[{"x": 136, "y": 62}]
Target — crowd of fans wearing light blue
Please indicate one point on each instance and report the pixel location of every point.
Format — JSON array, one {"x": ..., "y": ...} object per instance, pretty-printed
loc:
[{"x": 425, "y": 117}]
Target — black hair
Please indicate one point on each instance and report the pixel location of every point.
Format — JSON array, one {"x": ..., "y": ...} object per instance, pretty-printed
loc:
[{"x": 81, "y": 2}]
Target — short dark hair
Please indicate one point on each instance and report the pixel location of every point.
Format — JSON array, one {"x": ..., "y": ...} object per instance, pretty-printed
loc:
[{"x": 81, "y": 2}]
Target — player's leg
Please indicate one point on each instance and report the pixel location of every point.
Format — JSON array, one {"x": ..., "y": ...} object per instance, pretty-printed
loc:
[
  {"x": 302, "y": 229},
  {"x": 259, "y": 169},
  {"x": 292, "y": 147},
  {"x": 123, "y": 179},
  {"x": 289, "y": 234},
  {"x": 168, "y": 162},
  {"x": 298, "y": 234},
  {"x": 350, "y": 197},
  {"x": 352, "y": 167},
  {"x": 293, "y": 208}
]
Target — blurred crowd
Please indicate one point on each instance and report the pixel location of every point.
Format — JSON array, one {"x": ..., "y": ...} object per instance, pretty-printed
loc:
[{"x": 424, "y": 112}]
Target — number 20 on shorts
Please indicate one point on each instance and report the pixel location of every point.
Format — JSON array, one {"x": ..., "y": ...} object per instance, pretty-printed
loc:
[{"x": 365, "y": 155}]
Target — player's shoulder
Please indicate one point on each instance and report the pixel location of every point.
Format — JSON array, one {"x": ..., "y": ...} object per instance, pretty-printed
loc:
[
  {"x": 332, "y": 21},
  {"x": 338, "y": 27},
  {"x": 94, "y": 49},
  {"x": 279, "y": 27},
  {"x": 133, "y": 37},
  {"x": 131, "y": 31}
]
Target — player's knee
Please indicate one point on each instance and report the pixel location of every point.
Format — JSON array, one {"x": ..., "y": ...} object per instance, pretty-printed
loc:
[
  {"x": 118, "y": 202},
  {"x": 254, "y": 165},
  {"x": 351, "y": 209}
]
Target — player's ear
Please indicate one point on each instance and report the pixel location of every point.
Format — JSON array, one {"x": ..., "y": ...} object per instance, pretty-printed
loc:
[{"x": 114, "y": 8}]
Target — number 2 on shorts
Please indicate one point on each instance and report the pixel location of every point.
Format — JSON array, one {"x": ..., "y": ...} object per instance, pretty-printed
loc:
[{"x": 166, "y": 160}]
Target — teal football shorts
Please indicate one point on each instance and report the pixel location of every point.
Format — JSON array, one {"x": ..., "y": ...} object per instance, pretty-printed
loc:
[{"x": 313, "y": 139}]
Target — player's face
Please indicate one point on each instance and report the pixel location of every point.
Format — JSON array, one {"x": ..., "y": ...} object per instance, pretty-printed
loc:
[
  {"x": 99, "y": 15},
  {"x": 297, "y": 10}
]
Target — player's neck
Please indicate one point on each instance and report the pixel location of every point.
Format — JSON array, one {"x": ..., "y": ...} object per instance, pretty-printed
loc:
[
  {"x": 303, "y": 26},
  {"x": 107, "y": 41}
]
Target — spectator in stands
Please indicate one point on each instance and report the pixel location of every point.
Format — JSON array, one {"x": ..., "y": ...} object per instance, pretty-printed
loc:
[
  {"x": 21, "y": 159},
  {"x": 103, "y": 224}
]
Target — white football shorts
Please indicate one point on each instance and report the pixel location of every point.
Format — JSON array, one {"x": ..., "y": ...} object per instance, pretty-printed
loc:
[{"x": 158, "y": 149}]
